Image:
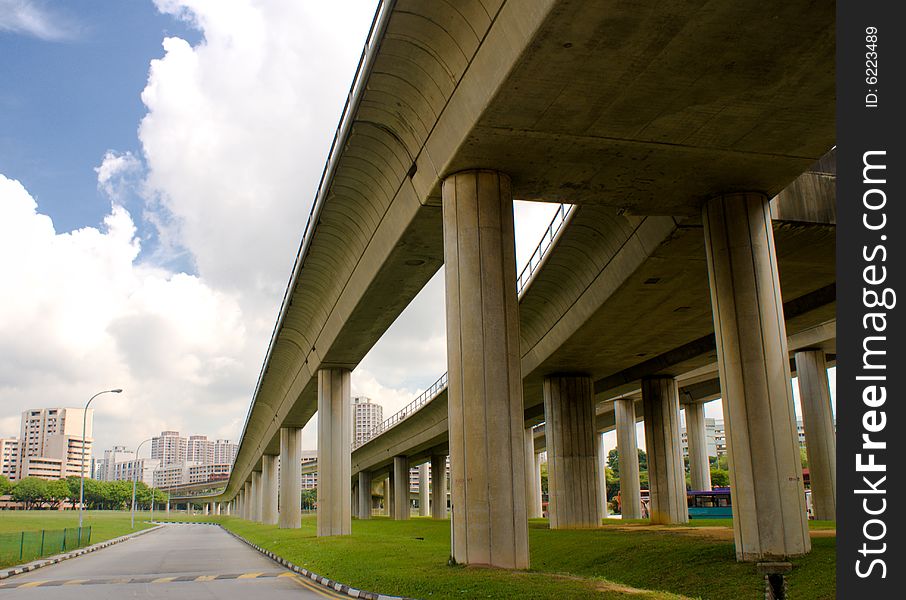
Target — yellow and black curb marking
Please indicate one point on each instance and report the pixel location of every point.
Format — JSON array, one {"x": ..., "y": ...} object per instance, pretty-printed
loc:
[
  {"x": 330, "y": 584},
  {"x": 151, "y": 579},
  {"x": 44, "y": 562}
]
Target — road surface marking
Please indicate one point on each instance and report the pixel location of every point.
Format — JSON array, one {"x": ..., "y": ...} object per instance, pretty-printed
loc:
[{"x": 9, "y": 585}]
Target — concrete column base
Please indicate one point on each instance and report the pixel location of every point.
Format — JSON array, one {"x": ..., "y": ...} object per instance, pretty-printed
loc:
[
  {"x": 423, "y": 494},
  {"x": 269, "y": 490},
  {"x": 334, "y": 452},
  {"x": 364, "y": 504},
  {"x": 290, "y": 513},
  {"x": 696, "y": 434},
  {"x": 769, "y": 514},
  {"x": 256, "y": 496},
  {"x": 602, "y": 473},
  {"x": 572, "y": 469},
  {"x": 628, "y": 451},
  {"x": 400, "y": 506},
  {"x": 666, "y": 474},
  {"x": 532, "y": 503},
  {"x": 439, "y": 487},
  {"x": 485, "y": 383},
  {"x": 820, "y": 435}
]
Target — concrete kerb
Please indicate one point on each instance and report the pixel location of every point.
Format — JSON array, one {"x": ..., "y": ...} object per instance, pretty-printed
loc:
[
  {"x": 324, "y": 581},
  {"x": 44, "y": 562}
]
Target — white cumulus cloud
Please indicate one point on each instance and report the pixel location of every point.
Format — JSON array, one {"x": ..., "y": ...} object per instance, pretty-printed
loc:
[{"x": 80, "y": 314}]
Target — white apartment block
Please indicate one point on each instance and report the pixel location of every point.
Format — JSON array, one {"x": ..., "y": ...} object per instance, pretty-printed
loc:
[
  {"x": 710, "y": 438},
  {"x": 225, "y": 452},
  {"x": 309, "y": 480},
  {"x": 208, "y": 472},
  {"x": 366, "y": 416},
  {"x": 200, "y": 449},
  {"x": 51, "y": 445},
  {"x": 172, "y": 475},
  {"x": 169, "y": 448},
  {"x": 141, "y": 469},
  {"x": 9, "y": 458},
  {"x": 42, "y": 467},
  {"x": 111, "y": 457}
]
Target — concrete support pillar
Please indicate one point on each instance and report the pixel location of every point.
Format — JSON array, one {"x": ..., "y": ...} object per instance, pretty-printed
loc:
[
  {"x": 364, "y": 505},
  {"x": 538, "y": 508},
  {"x": 769, "y": 514},
  {"x": 247, "y": 502},
  {"x": 388, "y": 496},
  {"x": 697, "y": 439},
  {"x": 485, "y": 382},
  {"x": 820, "y": 436},
  {"x": 602, "y": 473},
  {"x": 204, "y": 509},
  {"x": 269, "y": 489},
  {"x": 531, "y": 502},
  {"x": 423, "y": 495},
  {"x": 334, "y": 452},
  {"x": 628, "y": 450},
  {"x": 290, "y": 515},
  {"x": 572, "y": 469},
  {"x": 439, "y": 487},
  {"x": 666, "y": 474},
  {"x": 168, "y": 505},
  {"x": 400, "y": 505},
  {"x": 257, "y": 493}
]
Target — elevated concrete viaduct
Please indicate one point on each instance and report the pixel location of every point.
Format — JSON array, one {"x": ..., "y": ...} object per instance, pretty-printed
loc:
[{"x": 670, "y": 138}]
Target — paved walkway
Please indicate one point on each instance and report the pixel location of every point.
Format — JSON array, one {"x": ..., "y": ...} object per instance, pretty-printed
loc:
[{"x": 177, "y": 561}]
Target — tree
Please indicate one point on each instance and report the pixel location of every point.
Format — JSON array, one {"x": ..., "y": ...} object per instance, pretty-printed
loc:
[
  {"x": 309, "y": 498},
  {"x": 73, "y": 483},
  {"x": 803, "y": 457},
  {"x": 613, "y": 460},
  {"x": 6, "y": 485},
  {"x": 30, "y": 491},
  {"x": 720, "y": 478},
  {"x": 57, "y": 492}
]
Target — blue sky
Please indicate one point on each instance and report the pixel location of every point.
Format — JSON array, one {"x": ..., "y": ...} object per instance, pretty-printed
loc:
[{"x": 66, "y": 100}]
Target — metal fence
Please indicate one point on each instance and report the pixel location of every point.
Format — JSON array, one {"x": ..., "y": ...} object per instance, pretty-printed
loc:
[
  {"x": 25, "y": 546},
  {"x": 425, "y": 397}
]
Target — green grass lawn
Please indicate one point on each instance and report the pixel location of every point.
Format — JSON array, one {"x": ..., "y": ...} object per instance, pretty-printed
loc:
[
  {"x": 409, "y": 558},
  {"x": 104, "y": 526}
]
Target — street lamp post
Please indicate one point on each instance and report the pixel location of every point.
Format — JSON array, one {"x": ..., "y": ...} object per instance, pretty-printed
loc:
[
  {"x": 135, "y": 478},
  {"x": 82, "y": 470}
]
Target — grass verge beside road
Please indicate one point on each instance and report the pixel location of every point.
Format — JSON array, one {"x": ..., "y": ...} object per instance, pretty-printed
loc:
[
  {"x": 104, "y": 525},
  {"x": 409, "y": 558}
]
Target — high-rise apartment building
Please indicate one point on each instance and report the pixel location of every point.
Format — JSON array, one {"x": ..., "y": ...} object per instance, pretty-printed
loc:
[
  {"x": 309, "y": 477},
  {"x": 225, "y": 452},
  {"x": 366, "y": 416},
  {"x": 9, "y": 458},
  {"x": 710, "y": 438},
  {"x": 169, "y": 448},
  {"x": 111, "y": 457},
  {"x": 141, "y": 469},
  {"x": 51, "y": 445},
  {"x": 200, "y": 449}
]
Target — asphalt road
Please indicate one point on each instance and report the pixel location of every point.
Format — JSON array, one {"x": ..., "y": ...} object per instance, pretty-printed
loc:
[{"x": 195, "y": 562}]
